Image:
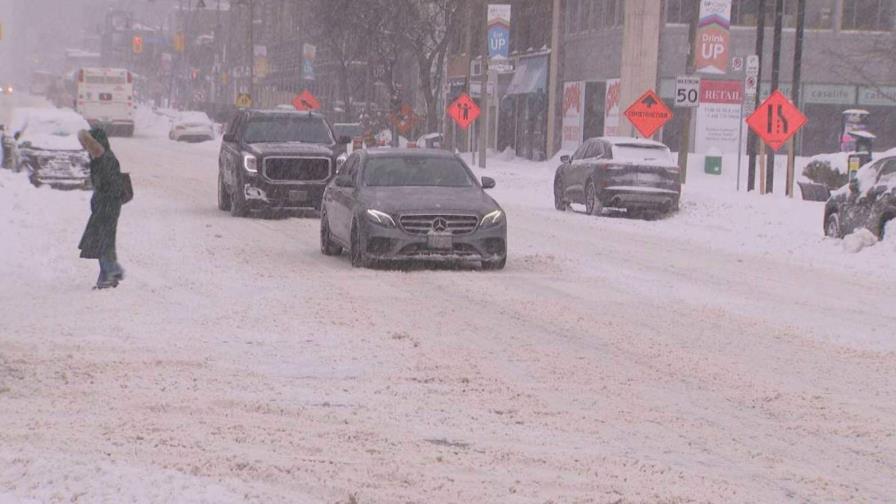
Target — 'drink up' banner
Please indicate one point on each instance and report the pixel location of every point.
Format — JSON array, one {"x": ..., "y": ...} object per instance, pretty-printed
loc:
[{"x": 713, "y": 37}]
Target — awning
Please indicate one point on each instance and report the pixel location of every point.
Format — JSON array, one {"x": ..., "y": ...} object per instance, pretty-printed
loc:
[{"x": 530, "y": 77}]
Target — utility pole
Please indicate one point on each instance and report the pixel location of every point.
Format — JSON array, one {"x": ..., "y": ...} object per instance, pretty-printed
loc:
[
  {"x": 483, "y": 90},
  {"x": 776, "y": 79},
  {"x": 553, "y": 74},
  {"x": 468, "y": 51},
  {"x": 684, "y": 146},
  {"x": 797, "y": 78},
  {"x": 251, "y": 4},
  {"x": 752, "y": 139}
]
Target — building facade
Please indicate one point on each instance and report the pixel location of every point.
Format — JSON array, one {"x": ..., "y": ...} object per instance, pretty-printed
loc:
[{"x": 849, "y": 51}]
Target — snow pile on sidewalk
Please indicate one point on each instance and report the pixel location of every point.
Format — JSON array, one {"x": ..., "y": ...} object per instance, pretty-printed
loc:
[{"x": 713, "y": 213}]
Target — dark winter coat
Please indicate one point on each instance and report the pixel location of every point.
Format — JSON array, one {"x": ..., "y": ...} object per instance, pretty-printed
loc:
[{"x": 105, "y": 204}]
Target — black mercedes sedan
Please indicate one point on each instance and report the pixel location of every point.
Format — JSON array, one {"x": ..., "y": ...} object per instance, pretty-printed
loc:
[
  {"x": 412, "y": 204},
  {"x": 868, "y": 201}
]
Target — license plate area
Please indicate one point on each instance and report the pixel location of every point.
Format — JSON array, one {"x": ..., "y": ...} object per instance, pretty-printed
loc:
[
  {"x": 440, "y": 241},
  {"x": 298, "y": 195}
]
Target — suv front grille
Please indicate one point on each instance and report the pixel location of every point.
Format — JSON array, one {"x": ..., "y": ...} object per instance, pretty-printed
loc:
[
  {"x": 454, "y": 224},
  {"x": 282, "y": 169}
]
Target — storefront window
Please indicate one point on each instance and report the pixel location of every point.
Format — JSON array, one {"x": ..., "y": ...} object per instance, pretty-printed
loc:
[
  {"x": 746, "y": 12},
  {"x": 572, "y": 16},
  {"x": 681, "y": 11},
  {"x": 868, "y": 15}
]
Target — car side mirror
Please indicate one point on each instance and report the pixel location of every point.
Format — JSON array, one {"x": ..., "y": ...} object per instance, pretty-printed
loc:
[
  {"x": 17, "y": 135},
  {"x": 230, "y": 138},
  {"x": 488, "y": 183},
  {"x": 344, "y": 181},
  {"x": 564, "y": 159},
  {"x": 345, "y": 140}
]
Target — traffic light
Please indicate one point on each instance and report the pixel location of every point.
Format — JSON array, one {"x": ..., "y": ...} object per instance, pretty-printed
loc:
[
  {"x": 137, "y": 44},
  {"x": 180, "y": 42}
]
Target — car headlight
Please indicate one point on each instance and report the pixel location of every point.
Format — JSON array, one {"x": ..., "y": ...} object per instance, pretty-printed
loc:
[
  {"x": 492, "y": 219},
  {"x": 381, "y": 218},
  {"x": 250, "y": 163}
]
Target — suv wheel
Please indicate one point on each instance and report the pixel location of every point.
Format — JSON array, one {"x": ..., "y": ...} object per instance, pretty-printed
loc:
[
  {"x": 223, "y": 195},
  {"x": 593, "y": 205},
  {"x": 832, "y": 226},
  {"x": 559, "y": 202},
  {"x": 327, "y": 247},
  {"x": 359, "y": 258},
  {"x": 494, "y": 265},
  {"x": 238, "y": 205}
]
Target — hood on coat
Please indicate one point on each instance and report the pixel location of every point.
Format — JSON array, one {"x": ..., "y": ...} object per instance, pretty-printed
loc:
[{"x": 93, "y": 145}]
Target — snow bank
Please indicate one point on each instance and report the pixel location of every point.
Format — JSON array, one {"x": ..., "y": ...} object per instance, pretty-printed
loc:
[{"x": 859, "y": 240}]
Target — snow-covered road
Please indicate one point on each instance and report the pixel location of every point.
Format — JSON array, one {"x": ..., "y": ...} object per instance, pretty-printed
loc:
[{"x": 722, "y": 355}]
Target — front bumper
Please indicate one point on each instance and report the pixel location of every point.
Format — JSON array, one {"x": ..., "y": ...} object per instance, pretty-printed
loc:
[
  {"x": 396, "y": 244},
  {"x": 299, "y": 196}
]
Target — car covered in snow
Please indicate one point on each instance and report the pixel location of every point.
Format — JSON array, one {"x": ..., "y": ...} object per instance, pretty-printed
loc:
[
  {"x": 636, "y": 175},
  {"x": 192, "y": 127},
  {"x": 276, "y": 159},
  {"x": 412, "y": 204},
  {"x": 44, "y": 141},
  {"x": 868, "y": 201}
]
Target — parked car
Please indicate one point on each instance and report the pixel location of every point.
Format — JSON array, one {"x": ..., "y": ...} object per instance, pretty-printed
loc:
[
  {"x": 868, "y": 201},
  {"x": 192, "y": 127},
  {"x": 637, "y": 175},
  {"x": 412, "y": 204},
  {"x": 45, "y": 143},
  {"x": 276, "y": 159}
]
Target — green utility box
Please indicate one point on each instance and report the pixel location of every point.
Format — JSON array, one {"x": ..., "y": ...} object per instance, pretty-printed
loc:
[{"x": 712, "y": 164}]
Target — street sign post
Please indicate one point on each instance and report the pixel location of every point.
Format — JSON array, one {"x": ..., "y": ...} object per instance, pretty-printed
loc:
[
  {"x": 648, "y": 114},
  {"x": 687, "y": 91},
  {"x": 305, "y": 102},
  {"x": 776, "y": 120},
  {"x": 464, "y": 111}
]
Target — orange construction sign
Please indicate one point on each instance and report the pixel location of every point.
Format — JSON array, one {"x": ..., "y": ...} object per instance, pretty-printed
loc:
[
  {"x": 776, "y": 120},
  {"x": 648, "y": 114},
  {"x": 464, "y": 111},
  {"x": 306, "y": 102}
]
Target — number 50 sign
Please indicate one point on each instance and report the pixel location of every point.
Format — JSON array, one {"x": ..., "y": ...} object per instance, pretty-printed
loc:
[{"x": 687, "y": 91}]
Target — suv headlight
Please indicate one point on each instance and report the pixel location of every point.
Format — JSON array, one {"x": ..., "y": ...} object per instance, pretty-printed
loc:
[
  {"x": 492, "y": 219},
  {"x": 250, "y": 163},
  {"x": 381, "y": 218}
]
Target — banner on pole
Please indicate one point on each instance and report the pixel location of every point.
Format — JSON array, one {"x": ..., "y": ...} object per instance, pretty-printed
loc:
[
  {"x": 713, "y": 36},
  {"x": 309, "y": 54},
  {"x": 498, "y": 34}
]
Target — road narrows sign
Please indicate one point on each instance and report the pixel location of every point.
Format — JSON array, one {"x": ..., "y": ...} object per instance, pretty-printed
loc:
[
  {"x": 648, "y": 114},
  {"x": 776, "y": 120},
  {"x": 464, "y": 111},
  {"x": 305, "y": 102}
]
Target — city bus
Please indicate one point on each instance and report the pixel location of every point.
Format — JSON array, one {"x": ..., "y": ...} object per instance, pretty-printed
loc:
[{"x": 105, "y": 98}]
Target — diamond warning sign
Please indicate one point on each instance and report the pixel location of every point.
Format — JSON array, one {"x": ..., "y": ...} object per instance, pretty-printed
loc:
[
  {"x": 648, "y": 114},
  {"x": 776, "y": 120}
]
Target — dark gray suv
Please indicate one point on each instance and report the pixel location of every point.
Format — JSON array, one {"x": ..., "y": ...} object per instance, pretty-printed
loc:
[
  {"x": 636, "y": 175},
  {"x": 412, "y": 204}
]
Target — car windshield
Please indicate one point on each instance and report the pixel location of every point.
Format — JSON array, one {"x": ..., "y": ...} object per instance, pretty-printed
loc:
[
  {"x": 642, "y": 153},
  {"x": 416, "y": 171},
  {"x": 288, "y": 129}
]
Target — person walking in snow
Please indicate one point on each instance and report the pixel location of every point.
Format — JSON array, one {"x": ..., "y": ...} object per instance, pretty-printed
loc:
[{"x": 98, "y": 241}]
